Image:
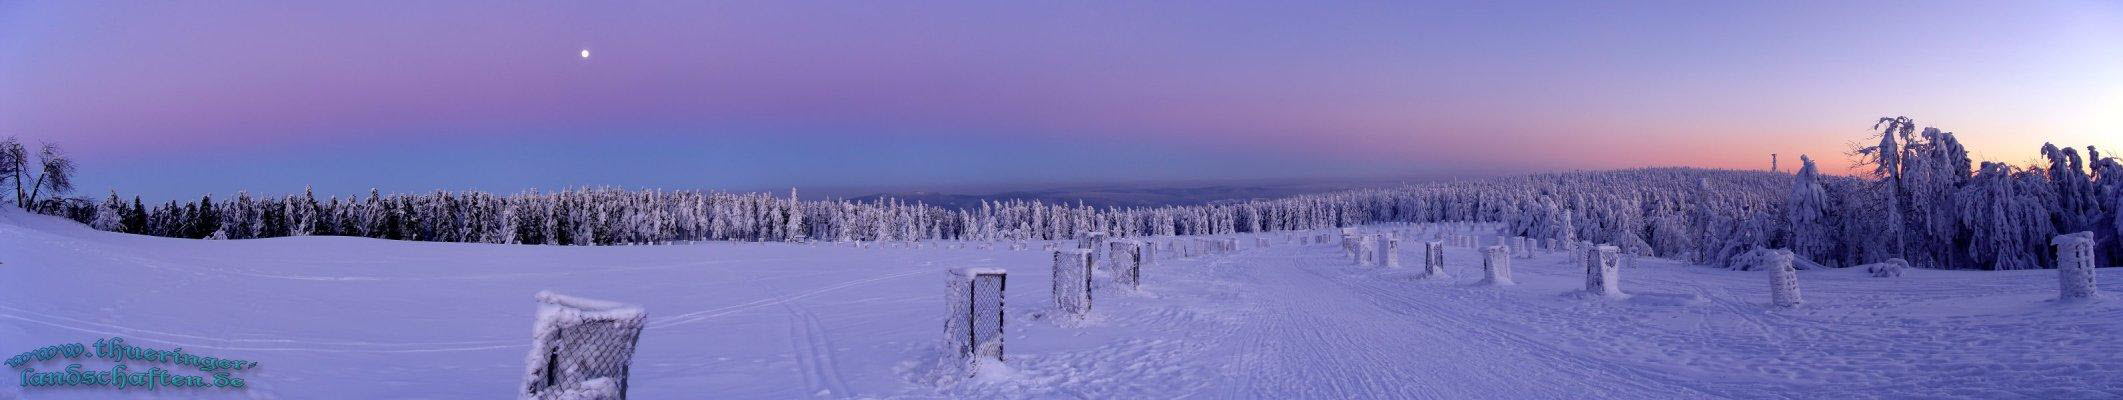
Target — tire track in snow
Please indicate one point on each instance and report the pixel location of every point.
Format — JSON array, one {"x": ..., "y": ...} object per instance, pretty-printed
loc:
[{"x": 812, "y": 350}]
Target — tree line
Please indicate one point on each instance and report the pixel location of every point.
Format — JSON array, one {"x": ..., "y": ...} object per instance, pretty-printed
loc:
[{"x": 1923, "y": 201}]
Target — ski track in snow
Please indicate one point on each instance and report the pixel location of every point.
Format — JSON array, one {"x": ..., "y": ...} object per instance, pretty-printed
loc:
[{"x": 1289, "y": 321}]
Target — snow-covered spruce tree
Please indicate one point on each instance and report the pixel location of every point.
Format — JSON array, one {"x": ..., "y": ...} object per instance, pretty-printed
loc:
[
  {"x": 1933, "y": 170},
  {"x": 13, "y": 164},
  {"x": 1886, "y": 159},
  {"x": 2005, "y": 217},
  {"x": 2077, "y": 207},
  {"x": 2108, "y": 185},
  {"x": 109, "y": 215},
  {"x": 1806, "y": 212}
]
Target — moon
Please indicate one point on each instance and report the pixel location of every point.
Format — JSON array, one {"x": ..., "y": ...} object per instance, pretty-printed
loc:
[{"x": 585, "y": 53}]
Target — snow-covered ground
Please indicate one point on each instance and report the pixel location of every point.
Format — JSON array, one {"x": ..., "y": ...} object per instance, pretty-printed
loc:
[{"x": 333, "y": 317}]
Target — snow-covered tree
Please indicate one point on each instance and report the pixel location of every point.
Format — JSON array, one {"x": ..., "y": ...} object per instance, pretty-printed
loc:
[{"x": 1806, "y": 212}]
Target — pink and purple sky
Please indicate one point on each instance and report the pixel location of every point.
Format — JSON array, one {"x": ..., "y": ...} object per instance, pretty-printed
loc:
[{"x": 176, "y": 99}]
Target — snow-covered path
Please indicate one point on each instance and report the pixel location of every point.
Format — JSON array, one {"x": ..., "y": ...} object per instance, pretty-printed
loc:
[{"x": 360, "y": 318}]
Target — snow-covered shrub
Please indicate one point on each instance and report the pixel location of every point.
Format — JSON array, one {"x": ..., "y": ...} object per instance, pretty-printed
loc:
[
  {"x": 974, "y": 332},
  {"x": 1887, "y": 269},
  {"x": 1783, "y": 279},
  {"x": 1602, "y": 274},
  {"x": 2075, "y": 265},
  {"x": 1072, "y": 281},
  {"x": 1496, "y": 265},
  {"x": 1390, "y": 253},
  {"x": 576, "y": 341}
]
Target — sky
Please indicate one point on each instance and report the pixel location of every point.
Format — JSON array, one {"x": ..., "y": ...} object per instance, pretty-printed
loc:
[{"x": 173, "y": 100}]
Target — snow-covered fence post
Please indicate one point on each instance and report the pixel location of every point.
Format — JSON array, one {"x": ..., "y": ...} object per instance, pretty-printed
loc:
[
  {"x": 974, "y": 332},
  {"x": 1149, "y": 252},
  {"x": 1093, "y": 241},
  {"x": 581, "y": 348},
  {"x": 1390, "y": 254},
  {"x": 1367, "y": 251},
  {"x": 1522, "y": 246},
  {"x": 1434, "y": 260},
  {"x": 2075, "y": 265},
  {"x": 1349, "y": 245},
  {"x": 1783, "y": 279},
  {"x": 1496, "y": 265},
  {"x": 1602, "y": 276},
  {"x": 1126, "y": 263},
  {"x": 1072, "y": 281}
]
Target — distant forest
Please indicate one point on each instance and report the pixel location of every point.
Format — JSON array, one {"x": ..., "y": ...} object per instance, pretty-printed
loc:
[{"x": 1924, "y": 201}]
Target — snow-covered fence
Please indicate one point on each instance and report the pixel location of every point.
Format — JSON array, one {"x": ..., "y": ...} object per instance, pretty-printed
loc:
[
  {"x": 1602, "y": 275},
  {"x": 974, "y": 332},
  {"x": 1390, "y": 254},
  {"x": 1126, "y": 263},
  {"x": 2075, "y": 265},
  {"x": 1434, "y": 260},
  {"x": 581, "y": 348},
  {"x": 1072, "y": 281},
  {"x": 1783, "y": 278},
  {"x": 1496, "y": 265}
]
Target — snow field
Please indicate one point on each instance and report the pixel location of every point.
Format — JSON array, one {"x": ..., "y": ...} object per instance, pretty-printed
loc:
[{"x": 332, "y": 317}]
